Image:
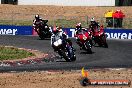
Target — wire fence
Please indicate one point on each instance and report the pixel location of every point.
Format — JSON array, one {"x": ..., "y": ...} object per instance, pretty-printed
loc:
[{"x": 60, "y": 20}]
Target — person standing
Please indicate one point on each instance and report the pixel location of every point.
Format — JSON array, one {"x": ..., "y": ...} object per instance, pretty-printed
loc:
[{"x": 121, "y": 2}]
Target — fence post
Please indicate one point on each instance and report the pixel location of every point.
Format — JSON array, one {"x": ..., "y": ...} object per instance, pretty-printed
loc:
[
  {"x": 113, "y": 22},
  {"x": 87, "y": 20},
  {"x": 12, "y": 17}
]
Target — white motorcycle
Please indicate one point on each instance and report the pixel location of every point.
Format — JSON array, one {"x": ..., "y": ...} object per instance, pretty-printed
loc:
[{"x": 65, "y": 50}]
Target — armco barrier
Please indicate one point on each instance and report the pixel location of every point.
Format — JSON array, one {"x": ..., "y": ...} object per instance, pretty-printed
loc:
[
  {"x": 15, "y": 30},
  {"x": 27, "y": 30}
]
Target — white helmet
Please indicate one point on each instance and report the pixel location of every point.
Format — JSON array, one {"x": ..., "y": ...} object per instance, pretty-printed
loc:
[{"x": 92, "y": 19}]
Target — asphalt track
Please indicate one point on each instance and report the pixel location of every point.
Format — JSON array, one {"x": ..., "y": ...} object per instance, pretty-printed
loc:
[{"x": 118, "y": 55}]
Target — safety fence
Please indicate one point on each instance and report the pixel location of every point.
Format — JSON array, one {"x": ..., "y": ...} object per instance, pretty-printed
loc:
[{"x": 20, "y": 19}]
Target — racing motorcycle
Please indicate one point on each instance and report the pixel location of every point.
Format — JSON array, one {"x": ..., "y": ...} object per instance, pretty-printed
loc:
[
  {"x": 84, "y": 38},
  {"x": 65, "y": 50},
  {"x": 43, "y": 29},
  {"x": 99, "y": 37}
]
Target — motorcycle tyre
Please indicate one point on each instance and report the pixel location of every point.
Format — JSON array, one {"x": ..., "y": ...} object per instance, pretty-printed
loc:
[
  {"x": 73, "y": 58},
  {"x": 88, "y": 47},
  {"x": 63, "y": 53},
  {"x": 41, "y": 37},
  {"x": 104, "y": 41}
]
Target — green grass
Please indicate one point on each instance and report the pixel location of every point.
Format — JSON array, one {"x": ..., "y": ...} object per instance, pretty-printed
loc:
[
  {"x": 6, "y": 22},
  {"x": 65, "y": 23},
  {"x": 17, "y": 23},
  {"x": 11, "y": 53}
]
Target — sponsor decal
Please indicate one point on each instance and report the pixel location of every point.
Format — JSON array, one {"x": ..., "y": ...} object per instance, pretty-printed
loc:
[
  {"x": 8, "y": 31},
  {"x": 72, "y": 32},
  {"x": 119, "y": 35},
  {"x": 110, "y": 33},
  {"x": 85, "y": 81},
  {"x": 28, "y": 30},
  {"x": 15, "y": 30}
]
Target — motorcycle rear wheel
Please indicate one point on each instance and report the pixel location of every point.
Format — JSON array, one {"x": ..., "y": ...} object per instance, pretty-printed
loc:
[
  {"x": 104, "y": 41},
  {"x": 41, "y": 37},
  {"x": 73, "y": 58},
  {"x": 88, "y": 47}
]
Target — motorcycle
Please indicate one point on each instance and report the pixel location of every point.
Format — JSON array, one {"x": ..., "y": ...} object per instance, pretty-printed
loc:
[
  {"x": 99, "y": 37},
  {"x": 84, "y": 39},
  {"x": 43, "y": 29},
  {"x": 66, "y": 51}
]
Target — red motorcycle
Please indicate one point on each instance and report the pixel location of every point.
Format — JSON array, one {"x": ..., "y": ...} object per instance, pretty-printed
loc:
[
  {"x": 84, "y": 40},
  {"x": 99, "y": 37}
]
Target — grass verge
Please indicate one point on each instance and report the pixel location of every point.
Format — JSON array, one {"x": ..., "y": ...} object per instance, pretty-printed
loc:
[
  {"x": 65, "y": 23},
  {"x": 12, "y": 53}
]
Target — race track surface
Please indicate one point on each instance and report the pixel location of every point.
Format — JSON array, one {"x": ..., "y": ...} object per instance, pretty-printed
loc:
[{"x": 118, "y": 55}]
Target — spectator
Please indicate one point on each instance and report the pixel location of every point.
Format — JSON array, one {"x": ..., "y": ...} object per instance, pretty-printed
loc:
[
  {"x": 110, "y": 24},
  {"x": 14, "y": 2},
  {"x": 121, "y": 2}
]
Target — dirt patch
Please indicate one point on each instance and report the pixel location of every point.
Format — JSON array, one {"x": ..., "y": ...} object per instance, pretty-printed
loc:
[
  {"x": 59, "y": 11},
  {"x": 66, "y": 16},
  {"x": 39, "y": 58},
  {"x": 60, "y": 79}
]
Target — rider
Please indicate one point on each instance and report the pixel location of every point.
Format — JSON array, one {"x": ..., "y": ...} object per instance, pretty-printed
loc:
[
  {"x": 78, "y": 30},
  {"x": 36, "y": 21},
  {"x": 94, "y": 25},
  {"x": 58, "y": 33}
]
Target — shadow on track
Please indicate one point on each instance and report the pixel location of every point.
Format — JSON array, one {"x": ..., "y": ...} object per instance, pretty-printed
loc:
[
  {"x": 86, "y": 52},
  {"x": 44, "y": 39}
]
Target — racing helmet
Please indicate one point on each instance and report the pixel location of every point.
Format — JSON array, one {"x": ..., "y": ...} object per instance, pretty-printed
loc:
[
  {"x": 36, "y": 16},
  {"x": 55, "y": 30},
  {"x": 59, "y": 28},
  {"x": 92, "y": 19},
  {"x": 78, "y": 25}
]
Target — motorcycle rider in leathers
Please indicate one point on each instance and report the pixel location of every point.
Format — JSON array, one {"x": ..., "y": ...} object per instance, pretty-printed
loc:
[
  {"x": 78, "y": 30},
  {"x": 94, "y": 25},
  {"x": 58, "y": 33},
  {"x": 36, "y": 21}
]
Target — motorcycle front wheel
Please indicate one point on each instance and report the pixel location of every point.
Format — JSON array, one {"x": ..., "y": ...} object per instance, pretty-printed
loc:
[
  {"x": 71, "y": 54},
  {"x": 65, "y": 56}
]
